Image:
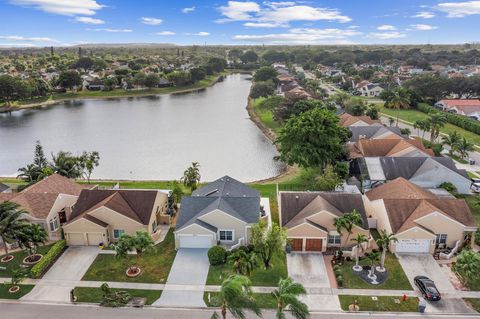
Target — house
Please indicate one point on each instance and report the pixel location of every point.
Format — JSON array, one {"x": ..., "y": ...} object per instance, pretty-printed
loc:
[
  {"x": 426, "y": 172},
  {"x": 420, "y": 220},
  {"x": 298, "y": 93},
  {"x": 388, "y": 148},
  {"x": 95, "y": 85},
  {"x": 368, "y": 89},
  {"x": 309, "y": 219},
  {"x": 5, "y": 188},
  {"x": 102, "y": 216},
  {"x": 374, "y": 132},
  {"x": 348, "y": 120},
  {"x": 48, "y": 202},
  {"x": 222, "y": 212},
  {"x": 470, "y": 108},
  {"x": 163, "y": 83}
]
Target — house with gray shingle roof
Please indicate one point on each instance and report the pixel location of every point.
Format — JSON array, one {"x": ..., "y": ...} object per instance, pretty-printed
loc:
[{"x": 220, "y": 212}]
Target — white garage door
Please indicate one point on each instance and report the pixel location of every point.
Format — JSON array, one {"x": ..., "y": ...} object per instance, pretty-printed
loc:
[
  {"x": 413, "y": 246},
  {"x": 76, "y": 239},
  {"x": 94, "y": 239},
  {"x": 195, "y": 241}
]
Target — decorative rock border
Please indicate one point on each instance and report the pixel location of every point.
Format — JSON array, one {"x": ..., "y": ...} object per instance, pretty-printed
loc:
[
  {"x": 7, "y": 258},
  {"x": 381, "y": 277},
  {"x": 26, "y": 262},
  {"x": 14, "y": 289},
  {"x": 132, "y": 275}
]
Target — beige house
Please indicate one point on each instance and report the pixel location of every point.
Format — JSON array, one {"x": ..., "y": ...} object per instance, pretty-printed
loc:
[
  {"x": 221, "y": 212},
  {"x": 348, "y": 120},
  {"x": 102, "y": 216},
  {"x": 309, "y": 219},
  {"x": 388, "y": 148},
  {"x": 420, "y": 220}
]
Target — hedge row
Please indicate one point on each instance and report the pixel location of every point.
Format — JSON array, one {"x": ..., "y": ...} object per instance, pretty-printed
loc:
[
  {"x": 47, "y": 260},
  {"x": 455, "y": 119}
]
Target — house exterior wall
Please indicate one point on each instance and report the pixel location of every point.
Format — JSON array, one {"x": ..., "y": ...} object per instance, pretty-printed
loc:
[
  {"x": 304, "y": 231},
  {"x": 377, "y": 210},
  {"x": 62, "y": 201},
  {"x": 194, "y": 230},
  {"x": 415, "y": 233},
  {"x": 223, "y": 221},
  {"x": 83, "y": 226},
  {"x": 117, "y": 221},
  {"x": 439, "y": 224}
]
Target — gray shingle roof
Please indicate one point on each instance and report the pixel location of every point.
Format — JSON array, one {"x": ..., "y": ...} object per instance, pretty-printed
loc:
[
  {"x": 371, "y": 131},
  {"x": 226, "y": 186},
  {"x": 3, "y": 187}
]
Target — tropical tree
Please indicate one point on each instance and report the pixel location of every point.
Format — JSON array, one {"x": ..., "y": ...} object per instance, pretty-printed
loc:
[
  {"x": 422, "y": 125},
  {"x": 87, "y": 163},
  {"x": 372, "y": 112},
  {"x": 464, "y": 147},
  {"x": 347, "y": 222},
  {"x": 359, "y": 240},
  {"x": 436, "y": 122},
  {"x": 341, "y": 98},
  {"x": 399, "y": 99},
  {"x": 235, "y": 296},
  {"x": 28, "y": 173},
  {"x": 467, "y": 265},
  {"x": 66, "y": 164},
  {"x": 287, "y": 296},
  {"x": 31, "y": 237},
  {"x": 191, "y": 176},
  {"x": 242, "y": 262},
  {"x": 11, "y": 226},
  {"x": 384, "y": 242},
  {"x": 268, "y": 240},
  {"x": 372, "y": 258},
  {"x": 452, "y": 140},
  {"x": 141, "y": 243}
]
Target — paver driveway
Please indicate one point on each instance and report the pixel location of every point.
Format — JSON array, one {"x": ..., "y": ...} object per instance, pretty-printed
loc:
[
  {"x": 60, "y": 278},
  {"x": 186, "y": 281},
  {"x": 425, "y": 265},
  {"x": 310, "y": 271}
]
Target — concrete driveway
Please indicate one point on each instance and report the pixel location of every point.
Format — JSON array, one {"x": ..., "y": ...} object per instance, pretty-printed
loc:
[
  {"x": 186, "y": 281},
  {"x": 310, "y": 271},
  {"x": 60, "y": 278},
  {"x": 425, "y": 265}
]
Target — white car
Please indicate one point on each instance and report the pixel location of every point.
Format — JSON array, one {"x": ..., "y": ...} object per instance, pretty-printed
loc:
[{"x": 475, "y": 187}]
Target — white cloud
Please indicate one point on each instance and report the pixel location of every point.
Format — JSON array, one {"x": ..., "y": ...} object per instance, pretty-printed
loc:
[
  {"x": 239, "y": 11},
  {"x": 165, "y": 33},
  {"x": 89, "y": 20},
  {"x": 423, "y": 27},
  {"x": 63, "y": 7},
  {"x": 263, "y": 25},
  {"x": 387, "y": 27},
  {"x": 111, "y": 30},
  {"x": 201, "y": 34},
  {"x": 19, "y": 45},
  {"x": 151, "y": 21},
  {"x": 188, "y": 10},
  {"x": 22, "y": 38},
  {"x": 387, "y": 35},
  {"x": 424, "y": 15},
  {"x": 459, "y": 9}
]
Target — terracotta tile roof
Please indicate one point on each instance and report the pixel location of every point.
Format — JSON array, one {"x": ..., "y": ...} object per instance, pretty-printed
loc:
[
  {"x": 399, "y": 188},
  {"x": 348, "y": 120},
  {"x": 385, "y": 147},
  {"x": 36, "y": 204},
  {"x": 5, "y": 196},
  {"x": 461, "y": 102}
]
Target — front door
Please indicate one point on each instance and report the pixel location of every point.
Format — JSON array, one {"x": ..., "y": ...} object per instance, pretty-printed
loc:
[{"x": 313, "y": 245}]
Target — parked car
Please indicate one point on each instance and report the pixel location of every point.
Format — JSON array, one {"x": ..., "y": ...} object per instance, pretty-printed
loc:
[
  {"x": 427, "y": 288},
  {"x": 475, "y": 187}
]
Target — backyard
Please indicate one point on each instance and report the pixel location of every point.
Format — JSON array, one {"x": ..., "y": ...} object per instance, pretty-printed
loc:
[
  {"x": 382, "y": 303},
  {"x": 95, "y": 295}
]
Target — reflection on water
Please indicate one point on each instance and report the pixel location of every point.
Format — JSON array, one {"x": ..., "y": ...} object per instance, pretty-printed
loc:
[{"x": 154, "y": 137}]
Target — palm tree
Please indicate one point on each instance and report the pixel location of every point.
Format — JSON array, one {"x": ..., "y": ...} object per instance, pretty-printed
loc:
[
  {"x": 11, "y": 227},
  {"x": 384, "y": 242},
  {"x": 359, "y": 240},
  {"x": 464, "y": 147},
  {"x": 65, "y": 164},
  {"x": 235, "y": 296},
  {"x": 347, "y": 222},
  {"x": 436, "y": 122},
  {"x": 287, "y": 295},
  {"x": 32, "y": 236},
  {"x": 28, "y": 173},
  {"x": 452, "y": 140},
  {"x": 191, "y": 176},
  {"x": 242, "y": 262},
  {"x": 373, "y": 258},
  {"x": 400, "y": 99},
  {"x": 467, "y": 265}
]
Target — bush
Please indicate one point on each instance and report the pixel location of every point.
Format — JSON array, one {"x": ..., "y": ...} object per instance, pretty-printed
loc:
[
  {"x": 449, "y": 187},
  {"x": 477, "y": 237},
  {"x": 48, "y": 259},
  {"x": 339, "y": 281},
  {"x": 464, "y": 122},
  {"x": 436, "y": 147},
  {"x": 217, "y": 255}
]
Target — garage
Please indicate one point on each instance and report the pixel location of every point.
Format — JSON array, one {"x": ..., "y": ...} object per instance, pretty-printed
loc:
[
  {"x": 313, "y": 245},
  {"x": 297, "y": 244},
  {"x": 195, "y": 241},
  {"x": 94, "y": 239},
  {"x": 417, "y": 246},
  {"x": 76, "y": 239}
]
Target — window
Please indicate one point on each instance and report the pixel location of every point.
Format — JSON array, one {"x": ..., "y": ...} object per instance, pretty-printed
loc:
[
  {"x": 441, "y": 239},
  {"x": 226, "y": 235},
  {"x": 53, "y": 224},
  {"x": 154, "y": 225},
  {"x": 117, "y": 233},
  {"x": 334, "y": 239}
]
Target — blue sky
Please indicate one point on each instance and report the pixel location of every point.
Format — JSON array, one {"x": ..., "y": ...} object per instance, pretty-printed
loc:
[{"x": 70, "y": 22}]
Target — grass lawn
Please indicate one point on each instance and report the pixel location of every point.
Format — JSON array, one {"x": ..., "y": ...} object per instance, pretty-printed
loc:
[
  {"x": 384, "y": 303},
  {"x": 397, "y": 280},
  {"x": 24, "y": 289},
  {"x": 95, "y": 295},
  {"x": 155, "y": 265},
  {"x": 458, "y": 159},
  {"x": 17, "y": 261},
  {"x": 474, "y": 303},
  {"x": 259, "y": 277},
  {"x": 265, "y": 115},
  {"x": 472, "y": 175},
  {"x": 471, "y": 200},
  {"x": 265, "y": 301}
]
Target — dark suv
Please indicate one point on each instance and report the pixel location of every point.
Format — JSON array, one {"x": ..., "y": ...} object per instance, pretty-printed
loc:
[{"x": 427, "y": 288}]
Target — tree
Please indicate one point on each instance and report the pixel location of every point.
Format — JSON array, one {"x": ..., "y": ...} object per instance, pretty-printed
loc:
[
  {"x": 356, "y": 106},
  {"x": 197, "y": 74},
  {"x": 464, "y": 147},
  {"x": 467, "y": 265},
  {"x": 39, "y": 159},
  {"x": 359, "y": 240},
  {"x": 141, "y": 242},
  {"x": 152, "y": 80},
  {"x": 312, "y": 139},
  {"x": 28, "y": 173},
  {"x": 265, "y": 73},
  {"x": 249, "y": 57},
  {"x": 288, "y": 108},
  {"x": 384, "y": 242},
  {"x": 87, "y": 163},
  {"x": 12, "y": 88},
  {"x": 372, "y": 112},
  {"x": 423, "y": 125},
  {"x": 66, "y": 164},
  {"x": 191, "y": 176},
  {"x": 83, "y": 63},
  {"x": 347, "y": 222},
  {"x": 286, "y": 296},
  {"x": 452, "y": 141},
  {"x": 268, "y": 241},
  {"x": 217, "y": 64},
  {"x": 32, "y": 236},
  {"x": 262, "y": 89},
  {"x": 341, "y": 98},
  {"x": 397, "y": 99},
  {"x": 373, "y": 258},
  {"x": 234, "y": 54},
  {"x": 436, "y": 122},
  {"x": 242, "y": 262},
  {"x": 69, "y": 79},
  {"x": 177, "y": 192},
  {"x": 235, "y": 296},
  {"x": 139, "y": 79},
  {"x": 328, "y": 180},
  {"x": 11, "y": 226}
]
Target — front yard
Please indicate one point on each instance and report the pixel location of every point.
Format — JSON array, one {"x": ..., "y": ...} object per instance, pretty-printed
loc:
[
  {"x": 95, "y": 295},
  {"x": 474, "y": 303},
  {"x": 259, "y": 277},
  {"x": 265, "y": 301},
  {"x": 397, "y": 280},
  {"x": 474, "y": 208},
  {"x": 155, "y": 265},
  {"x": 17, "y": 261},
  {"x": 383, "y": 303},
  {"x": 24, "y": 289}
]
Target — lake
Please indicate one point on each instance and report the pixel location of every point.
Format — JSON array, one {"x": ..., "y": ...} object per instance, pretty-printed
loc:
[{"x": 148, "y": 138}]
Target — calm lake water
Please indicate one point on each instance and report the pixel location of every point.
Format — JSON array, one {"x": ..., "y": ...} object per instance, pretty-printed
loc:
[{"x": 150, "y": 137}]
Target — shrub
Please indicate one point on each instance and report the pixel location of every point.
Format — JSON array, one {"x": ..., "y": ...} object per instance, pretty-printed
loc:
[
  {"x": 336, "y": 267},
  {"x": 477, "y": 237},
  {"x": 217, "y": 255},
  {"x": 339, "y": 281},
  {"x": 449, "y": 187},
  {"x": 464, "y": 122},
  {"x": 436, "y": 147},
  {"x": 48, "y": 259}
]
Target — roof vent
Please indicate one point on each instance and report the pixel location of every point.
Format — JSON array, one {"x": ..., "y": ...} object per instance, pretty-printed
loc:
[{"x": 211, "y": 192}]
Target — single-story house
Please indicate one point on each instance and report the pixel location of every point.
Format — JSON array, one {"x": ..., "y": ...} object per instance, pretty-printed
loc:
[
  {"x": 221, "y": 212},
  {"x": 426, "y": 172},
  {"x": 466, "y": 107},
  {"x": 420, "y": 220},
  {"x": 102, "y": 216},
  {"x": 309, "y": 219},
  {"x": 388, "y": 148},
  {"x": 348, "y": 120},
  {"x": 374, "y": 132}
]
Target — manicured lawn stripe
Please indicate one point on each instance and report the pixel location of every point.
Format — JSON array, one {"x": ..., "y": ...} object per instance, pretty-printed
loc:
[
  {"x": 384, "y": 303},
  {"x": 24, "y": 289},
  {"x": 265, "y": 301},
  {"x": 95, "y": 295}
]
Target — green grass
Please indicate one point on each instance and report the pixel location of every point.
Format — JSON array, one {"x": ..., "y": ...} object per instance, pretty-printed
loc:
[
  {"x": 474, "y": 303},
  {"x": 265, "y": 301},
  {"x": 17, "y": 261},
  {"x": 95, "y": 295},
  {"x": 155, "y": 265},
  {"x": 472, "y": 175},
  {"x": 259, "y": 277},
  {"x": 24, "y": 289},
  {"x": 475, "y": 209},
  {"x": 384, "y": 303},
  {"x": 265, "y": 115},
  {"x": 458, "y": 159},
  {"x": 397, "y": 280}
]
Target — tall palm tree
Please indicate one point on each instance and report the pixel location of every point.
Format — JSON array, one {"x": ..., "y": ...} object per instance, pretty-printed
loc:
[
  {"x": 65, "y": 164},
  {"x": 235, "y": 296},
  {"x": 347, "y": 222},
  {"x": 11, "y": 227},
  {"x": 400, "y": 99},
  {"x": 436, "y": 122},
  {"x": 287, "y": 296},
  {"x": 191, "y": 176},
  {"x": 464, "y": 147},
  {"x": 384, "y": 242},
  {"x": 33, "y": 235},
  {"x": 452, "y": 140},
  {"x": 28, "y": 173},
  {"x": 359, "y": 240},
  {"x": 373, "y": 258}
]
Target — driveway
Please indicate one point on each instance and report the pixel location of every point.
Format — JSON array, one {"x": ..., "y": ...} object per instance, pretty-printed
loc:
[
  {"x": 186, "y": 281},
  {"x": 310, "y": 271},
  {"x": 60, "y": 278},
  {"x": 425, "y": 265}
]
